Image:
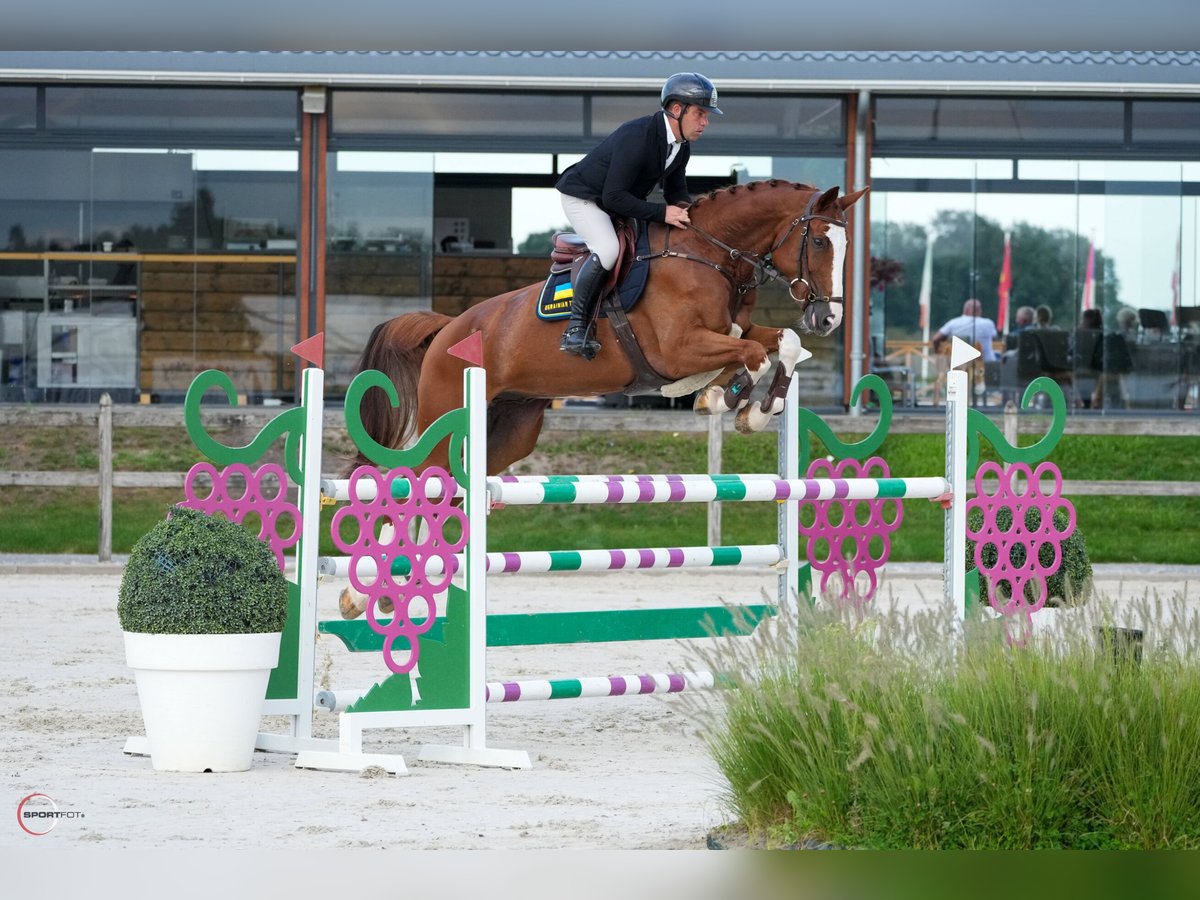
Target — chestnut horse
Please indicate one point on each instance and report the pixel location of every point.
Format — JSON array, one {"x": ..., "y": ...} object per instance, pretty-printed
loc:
[
  {"x": 692, "y": 324},
  {"x": 700, "y": 291}
]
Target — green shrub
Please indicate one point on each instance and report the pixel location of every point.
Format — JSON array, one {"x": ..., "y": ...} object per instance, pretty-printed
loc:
[
  {"x": 199, "y": 574},
  {"x": 1071, "y": 582}
]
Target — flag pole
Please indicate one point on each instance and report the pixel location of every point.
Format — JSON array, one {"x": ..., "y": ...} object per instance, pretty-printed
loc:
[{"x": 923, "y": 305}]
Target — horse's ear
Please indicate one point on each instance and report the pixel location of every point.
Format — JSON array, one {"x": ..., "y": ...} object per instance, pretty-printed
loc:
[
  {"x": 828, "y": 198},
  {"x": 849, "y": 200}
]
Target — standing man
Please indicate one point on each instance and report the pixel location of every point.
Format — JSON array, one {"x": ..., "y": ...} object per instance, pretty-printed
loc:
[
  {"x": 615, "y": 179},
  {"x": 971, "y": 327}
]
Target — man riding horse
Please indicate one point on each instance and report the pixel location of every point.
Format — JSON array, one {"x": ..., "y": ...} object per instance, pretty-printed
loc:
[{"x": 615, "y": 178}]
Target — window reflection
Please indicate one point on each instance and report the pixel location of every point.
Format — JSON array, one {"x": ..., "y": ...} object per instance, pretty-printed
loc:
[
  {"x": 380, "y": 222},
  {"x": 1114, "y": 258}
]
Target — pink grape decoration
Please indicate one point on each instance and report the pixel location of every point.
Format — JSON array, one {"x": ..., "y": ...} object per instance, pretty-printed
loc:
[
  {"x": 842, "y": 532},
  {"x": 422, "y": 527},
  {"x": 275, "y": 512},
  {"x": 1018, "y": 574}
]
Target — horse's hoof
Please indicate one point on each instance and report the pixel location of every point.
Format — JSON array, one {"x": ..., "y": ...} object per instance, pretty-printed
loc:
[
  {"x": 710, "y": 402},
  {"x": 348, "y": 606},
  {"x": 751, "y": 420}
]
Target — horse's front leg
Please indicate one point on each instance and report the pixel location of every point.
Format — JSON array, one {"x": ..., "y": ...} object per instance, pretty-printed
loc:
[
  {"x": 731, "y": 389},
  {"x": 756, "y": 416}
]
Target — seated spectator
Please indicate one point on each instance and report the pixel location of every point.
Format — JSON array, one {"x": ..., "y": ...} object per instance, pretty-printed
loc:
[
  {"x": 1127, "y": 323},
  {"x": 1087, "y": 357},
  {"x": 1116, "y": 360},
  {"x": 971, "y": 327},
  {"x": 1045, "y": 318},
  {"x": 1025, "y": 319}
]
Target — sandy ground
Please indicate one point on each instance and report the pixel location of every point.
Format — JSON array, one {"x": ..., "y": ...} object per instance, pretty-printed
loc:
[{"x": 608, "y": 773}]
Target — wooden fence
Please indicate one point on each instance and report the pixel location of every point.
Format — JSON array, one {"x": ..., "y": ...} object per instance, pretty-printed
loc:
[{"x": 106, "y": 480}]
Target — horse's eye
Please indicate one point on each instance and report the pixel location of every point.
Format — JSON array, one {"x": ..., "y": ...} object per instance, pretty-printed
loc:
[{"x": 820, "y": 243}]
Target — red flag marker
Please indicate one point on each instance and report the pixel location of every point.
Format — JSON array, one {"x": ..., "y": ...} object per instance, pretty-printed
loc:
[
  {"x": 470, "y": 349},
  {"x": 312, "y": 350}
]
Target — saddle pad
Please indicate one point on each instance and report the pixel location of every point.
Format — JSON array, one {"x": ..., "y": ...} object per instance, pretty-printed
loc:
[{"x": 554, "y": 300}]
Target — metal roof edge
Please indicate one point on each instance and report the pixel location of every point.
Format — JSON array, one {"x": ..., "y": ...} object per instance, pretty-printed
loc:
[{"x": 623, "y": 83}]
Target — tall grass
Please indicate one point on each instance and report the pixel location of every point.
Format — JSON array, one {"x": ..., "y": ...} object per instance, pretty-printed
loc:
[{"x": 898, "y": 733}]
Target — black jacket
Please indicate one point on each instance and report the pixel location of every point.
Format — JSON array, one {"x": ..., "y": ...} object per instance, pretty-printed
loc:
[{"x": 618, "y": 174}]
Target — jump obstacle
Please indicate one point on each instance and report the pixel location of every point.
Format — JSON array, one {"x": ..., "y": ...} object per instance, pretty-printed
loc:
[{"x": 435, "y": 655}]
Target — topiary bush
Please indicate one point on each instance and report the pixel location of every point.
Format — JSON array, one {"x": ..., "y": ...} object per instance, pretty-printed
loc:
[
  {"x": 1071, "y": 582},
  {"x": 199, "y": 574}
]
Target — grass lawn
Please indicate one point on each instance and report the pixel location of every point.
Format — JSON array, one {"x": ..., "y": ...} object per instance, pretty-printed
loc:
[{"x": 1117, "y": 529}]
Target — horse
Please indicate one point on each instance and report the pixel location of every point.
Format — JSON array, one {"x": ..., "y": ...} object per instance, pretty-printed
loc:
[
  {"x": 693, "y": 319},
  {"x": 692, "y": 329}
]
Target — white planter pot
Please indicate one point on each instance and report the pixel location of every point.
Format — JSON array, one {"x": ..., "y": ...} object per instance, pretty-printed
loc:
[{"x": 202, "y": 696}]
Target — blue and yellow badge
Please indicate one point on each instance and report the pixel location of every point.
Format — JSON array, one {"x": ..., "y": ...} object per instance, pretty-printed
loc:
[{"x": 555, "y": 300}]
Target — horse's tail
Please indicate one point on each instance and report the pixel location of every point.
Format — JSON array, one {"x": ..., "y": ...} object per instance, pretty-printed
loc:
[{"x": 396, "y": 348}]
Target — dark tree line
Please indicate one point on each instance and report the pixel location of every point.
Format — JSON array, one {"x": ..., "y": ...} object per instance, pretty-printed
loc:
[{"x": 1047, "y": 268}]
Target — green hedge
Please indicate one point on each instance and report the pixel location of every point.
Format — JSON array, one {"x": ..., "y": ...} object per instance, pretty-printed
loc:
[{"x": 199, "y": 574}]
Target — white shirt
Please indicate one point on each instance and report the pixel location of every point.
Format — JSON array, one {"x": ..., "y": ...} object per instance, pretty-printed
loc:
[
  {"x": 973, "y": 330},
  {"x": 673, "y": 144}
]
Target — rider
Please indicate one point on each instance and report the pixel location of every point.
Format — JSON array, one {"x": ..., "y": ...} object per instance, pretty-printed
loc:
[{"x": 616, "y": 177}]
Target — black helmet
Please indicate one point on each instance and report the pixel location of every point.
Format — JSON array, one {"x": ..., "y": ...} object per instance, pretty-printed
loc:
[{"x": 691, "y": 88}]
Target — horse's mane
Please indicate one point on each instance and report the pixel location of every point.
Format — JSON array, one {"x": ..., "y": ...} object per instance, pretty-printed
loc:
[
  {"x": 751, "y": 186},
  {"x": 716, "y": 199}
]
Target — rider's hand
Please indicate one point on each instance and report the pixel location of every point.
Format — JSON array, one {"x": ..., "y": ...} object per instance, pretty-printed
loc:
[{"x": 678, "y": 217}]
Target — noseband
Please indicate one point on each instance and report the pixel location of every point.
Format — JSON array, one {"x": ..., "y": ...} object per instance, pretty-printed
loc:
[
  {"x": 764, "y": 267},
  {"x": 768, "y": 263}
]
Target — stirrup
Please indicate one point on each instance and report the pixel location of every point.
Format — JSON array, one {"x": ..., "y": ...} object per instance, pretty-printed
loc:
[{"x": 579, "y": 342}]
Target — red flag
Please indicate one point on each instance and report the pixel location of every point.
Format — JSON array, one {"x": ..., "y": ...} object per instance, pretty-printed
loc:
[
  {"x": 1088, "y": 300},
  {"x": 1005, "y": 287}
]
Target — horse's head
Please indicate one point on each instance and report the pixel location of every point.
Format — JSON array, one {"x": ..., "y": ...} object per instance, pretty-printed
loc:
[{"x": 821, "y": 241}]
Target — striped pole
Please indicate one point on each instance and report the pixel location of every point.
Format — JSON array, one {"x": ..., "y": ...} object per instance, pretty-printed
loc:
[
  {"x": 542, "y": 561},
  {"x": 609, "y": 686},
  {"x": 338, "y": 489},
  {"x": 561, "y": 688},
  {"x": 710, "y": 488}
]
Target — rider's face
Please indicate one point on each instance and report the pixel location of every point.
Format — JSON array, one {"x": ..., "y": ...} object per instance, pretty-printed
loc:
[{"x": 694, "y": 121}]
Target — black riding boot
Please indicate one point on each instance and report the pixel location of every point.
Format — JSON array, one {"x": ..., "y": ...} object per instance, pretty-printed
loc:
[{"x": 577, "y": 338}]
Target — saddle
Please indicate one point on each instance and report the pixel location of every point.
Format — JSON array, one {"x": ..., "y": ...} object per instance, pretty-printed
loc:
[
  {"x": 618, "y": 294},
  {"x": 569, "y": 252}
]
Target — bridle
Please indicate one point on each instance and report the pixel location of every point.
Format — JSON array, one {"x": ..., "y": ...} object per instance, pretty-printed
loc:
[{"x": 763, "y": 267}]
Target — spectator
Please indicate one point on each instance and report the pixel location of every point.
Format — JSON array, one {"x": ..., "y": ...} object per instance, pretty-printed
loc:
[
  {"x": 970, "y": 327},
  {"x": 1045, "y": 318},
  {"x": 1024, "y": 322},
  {"x": 1117, "y": 360}
]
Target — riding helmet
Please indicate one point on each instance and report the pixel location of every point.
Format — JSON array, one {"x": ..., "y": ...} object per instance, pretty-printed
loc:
[{"x": 691, "y": 88}]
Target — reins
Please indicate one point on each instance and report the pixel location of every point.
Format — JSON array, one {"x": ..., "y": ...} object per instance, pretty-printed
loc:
[{"x": 763, "y": 268}]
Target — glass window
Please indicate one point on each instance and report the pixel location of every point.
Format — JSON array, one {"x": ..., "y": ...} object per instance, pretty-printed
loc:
[
  {"x": 752, "y": 118},
  {"x": 1124, "y": 245},
  {"x": 184, "y": 201},
  {"x": 43, "y": 199},
  {"x": 380, "y": 227},
  {"x": 983, "y": 119},
  {"x": 437, "y": 113},
  {"x": 221, "y": 110},
  {"x": 18, "y": 108},
  {"x": 1166, "y": 121}
]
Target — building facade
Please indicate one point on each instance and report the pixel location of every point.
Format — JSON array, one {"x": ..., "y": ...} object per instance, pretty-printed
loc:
[{"x": 166, "y": 212}]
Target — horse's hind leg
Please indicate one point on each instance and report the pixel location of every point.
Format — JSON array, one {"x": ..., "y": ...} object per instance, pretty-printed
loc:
[
  {"x": 514, "y": 425},
  {"x": 513, "y": 429},
  {"x": 755, "y": 416}
]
